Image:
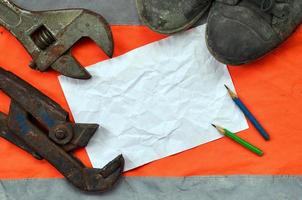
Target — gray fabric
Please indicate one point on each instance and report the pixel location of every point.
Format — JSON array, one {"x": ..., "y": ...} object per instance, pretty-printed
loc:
[
  {"x": 115, "y": 11},
  {"x": 137, "y": 188}
]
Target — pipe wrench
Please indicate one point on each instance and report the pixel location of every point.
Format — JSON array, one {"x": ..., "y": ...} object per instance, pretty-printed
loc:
[{"x": 41, "y": 127}]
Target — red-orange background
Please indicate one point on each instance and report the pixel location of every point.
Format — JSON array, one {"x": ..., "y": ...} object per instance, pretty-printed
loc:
[{"x": 271, "y": 88}]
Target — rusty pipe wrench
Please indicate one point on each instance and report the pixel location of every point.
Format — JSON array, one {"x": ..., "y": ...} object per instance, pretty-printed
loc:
[
  {"x": 41, "y": 127},
  {"x": 49, "y": 36}
]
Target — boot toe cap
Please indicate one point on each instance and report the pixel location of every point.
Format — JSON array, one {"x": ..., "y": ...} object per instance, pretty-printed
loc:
[
  {"x": 171, "y": 16},
  {"x": 238, "y": 40}
]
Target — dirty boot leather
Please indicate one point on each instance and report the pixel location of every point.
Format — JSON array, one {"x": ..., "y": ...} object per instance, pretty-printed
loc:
[
  {"x": 241, "y": 31},
  {"x": 171, "y": 16}
]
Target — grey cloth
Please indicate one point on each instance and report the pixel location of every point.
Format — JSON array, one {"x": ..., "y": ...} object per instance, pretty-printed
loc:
[
  {"x": 147, "y": 188},
  {"x": 115, "y": 11}
]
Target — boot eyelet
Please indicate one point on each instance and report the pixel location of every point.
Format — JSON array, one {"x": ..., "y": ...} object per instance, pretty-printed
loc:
[{"x": 267, "y": 5}]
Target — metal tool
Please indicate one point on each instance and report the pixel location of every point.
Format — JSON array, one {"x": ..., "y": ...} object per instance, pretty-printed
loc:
[
  {"x": 49, "y": 36},
  {"x": 41, "y": 127}
]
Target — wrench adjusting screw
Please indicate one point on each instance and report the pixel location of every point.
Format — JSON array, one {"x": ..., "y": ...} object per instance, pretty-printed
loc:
[{"x": 42, "y": 37}]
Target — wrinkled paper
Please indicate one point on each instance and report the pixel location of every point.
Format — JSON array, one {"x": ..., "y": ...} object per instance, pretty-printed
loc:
[{"x": 154, "y": 101}]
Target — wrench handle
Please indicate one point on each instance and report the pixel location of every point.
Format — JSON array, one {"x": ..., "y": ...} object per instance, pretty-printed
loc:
[{"x": 10, "y": 14}]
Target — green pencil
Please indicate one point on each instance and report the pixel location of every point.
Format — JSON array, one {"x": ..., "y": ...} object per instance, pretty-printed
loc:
[{"x": 239, "y": 140}]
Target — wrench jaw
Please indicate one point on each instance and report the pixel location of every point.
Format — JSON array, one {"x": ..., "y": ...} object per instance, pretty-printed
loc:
[
  {"x": 96, "y": 28},
  {"x": 103, "y": 180},
  {"x": 83, "y": 133},
  {"x": 68, "y": 66}
]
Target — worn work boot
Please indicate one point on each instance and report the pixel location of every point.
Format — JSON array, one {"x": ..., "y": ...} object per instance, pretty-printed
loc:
[
  {"x": 241, "y": 31},
  {"x": 171, "y": 16}
]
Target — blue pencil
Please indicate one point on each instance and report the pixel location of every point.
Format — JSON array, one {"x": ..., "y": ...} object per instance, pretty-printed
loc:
[{"x": 248, "y": 114}]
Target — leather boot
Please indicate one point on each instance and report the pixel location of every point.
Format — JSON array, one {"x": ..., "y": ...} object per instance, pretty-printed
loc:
[
  {"x": 241, "y": 31},
  {"x": 171, "y": 16}
]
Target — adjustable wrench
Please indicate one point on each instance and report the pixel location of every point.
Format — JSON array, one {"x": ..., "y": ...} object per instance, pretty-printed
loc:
[{"x": 49, "y": 36}]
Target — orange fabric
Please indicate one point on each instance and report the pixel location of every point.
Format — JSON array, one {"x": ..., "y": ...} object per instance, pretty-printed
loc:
[{"x": 271, "y": 88}]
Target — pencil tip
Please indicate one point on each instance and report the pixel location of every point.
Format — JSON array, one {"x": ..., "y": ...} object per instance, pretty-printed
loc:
[
  {"x": 232, "y": 94},
  {"x": 214, "y": 125}
]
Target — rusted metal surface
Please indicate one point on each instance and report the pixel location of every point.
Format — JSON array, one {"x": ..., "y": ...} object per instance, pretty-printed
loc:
[
  {"x": 49, "y": 36},
  {"x": 41, "y": 127}
]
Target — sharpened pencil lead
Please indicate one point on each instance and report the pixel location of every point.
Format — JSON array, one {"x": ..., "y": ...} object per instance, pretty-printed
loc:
[
  {"x": 220, "y": 129},
  {"x": 232, "y": 94}
]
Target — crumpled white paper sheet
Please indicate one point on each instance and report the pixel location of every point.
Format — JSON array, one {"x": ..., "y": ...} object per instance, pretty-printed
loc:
[{"x": 154, "y": 101}]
